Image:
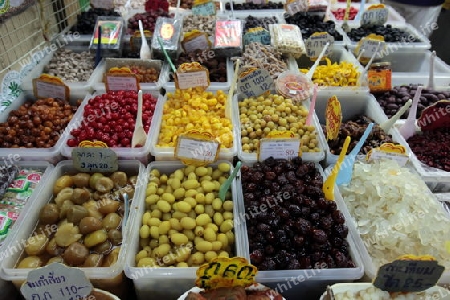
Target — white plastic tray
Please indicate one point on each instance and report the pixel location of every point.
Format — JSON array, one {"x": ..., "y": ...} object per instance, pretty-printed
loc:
[
  {"x": 392, "y": 47},
  {"x": 168, "y": 153},
  {"x": 105, "y": 274},
  {"x": 300, "y": 280},
  {"x": 141, "y": 153},
  {"x": 53, "y": 154},
  {"x": 164, "y": 282},
  {"x": 339, "y": 54},
  {"x": 253, "y": 157}
]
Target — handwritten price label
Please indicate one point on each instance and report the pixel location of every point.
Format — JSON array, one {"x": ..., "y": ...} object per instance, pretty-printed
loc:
[
  {"x": 122, "y": 82},
  {"x": 316, "y": 42},
  {"x": 43, "y": 89},
  {"x": 197, "y": 151},
  {"x": 193, "y": 79},
  {"x": 261, "y": 36},
  {"x": 205, "y": 9},
  {"x": 56, "y": 281},
  {"x": 199, "y": 42},
  {"x": 370, "y": 47},
  {"x": 94, "y": 159},
  {"x": 375, "y": 16},
  {"x": 255, "y": 83},
  {"x": 279, "y": 148}
]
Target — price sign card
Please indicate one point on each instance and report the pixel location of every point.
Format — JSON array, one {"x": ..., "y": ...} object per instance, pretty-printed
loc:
[
  {"x": 258, "y": 35},
  {"x": 94, "y": 159},
  {"x": 408, "y": 275},
  {"x": 390, "y": 151},
  {"x": 195, "y": 40},
  {"x": 279, "y": 148},
  {"x": 204, "y": 8},
  {"x": 48, "y": 86},
  {"x": 56, "y": 281},
  {"x": 193, "y": 79},
  {"x": 316, "y": 42},
  {"x": 375, "y": 15},
  {"x": 124, "y": 82},
  {"x": 294, "y": 6},
  {"x": 197, "y": 148},
  {"x": 333, "y": 115},
  {"x": 369, "y": 44},
  {"x": 255, "y": 82}
]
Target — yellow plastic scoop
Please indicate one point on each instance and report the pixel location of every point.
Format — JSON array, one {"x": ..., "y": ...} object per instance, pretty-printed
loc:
[{"x": 328, "y": 185}]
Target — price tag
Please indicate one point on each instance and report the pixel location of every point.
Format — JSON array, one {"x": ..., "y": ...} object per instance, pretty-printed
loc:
[
  {"x": 47, "y": 86},
  {"x": 316, "y": 42},
  {"x": 228, "y": 33},
  {"x": 124, "y": 82},
  {"x": 226, "y": 272},
  {"x": 106, "y": 4},
  {"x": 193, "y": 79},
  {"x": 295, "y": 6},
  {"x": 56, "y": 281},
  {"x": 435, "y": 116},
  {"x": 197, "y": 148},
  {"x": 279, "y": 148},
  {"x": 255, "y": 82},
  {"x": 333, "y": 114},
  {"x": 389, "y": 151},
  {"x": 94, "y": 159},
  {"x": 375, "y": 15},
  {"x": 195, "y": 41},
  {"x": 204, "y": 9},
  {"x": 408, "y": 275},
  {"x": 258, "y": 35},
  {"x": 370, "y": 44}
]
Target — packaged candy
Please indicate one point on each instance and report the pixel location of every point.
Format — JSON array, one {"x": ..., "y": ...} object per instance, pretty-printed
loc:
[
  {"x": 287, "y": 39},
  {"x": 168, "y": 32},
  {"x": 228, "y": 38}
]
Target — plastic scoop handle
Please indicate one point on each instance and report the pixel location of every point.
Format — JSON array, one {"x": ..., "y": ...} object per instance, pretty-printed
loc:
[
  {"x": 172, "y": 66},
  {"x": 361, "y": 10},
  {"x": 328, "y": 185},
  {"x": 346, "y": 171},
  {"x": 407, "y": 130},
  {"x": 386, "y": 126},
  {"x": 226, "y": 185},
  {"x": 431, "y": 74}
]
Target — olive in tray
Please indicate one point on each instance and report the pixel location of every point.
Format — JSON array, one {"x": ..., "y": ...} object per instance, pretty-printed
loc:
[
  {"x": 301, "y": 229},
  {"x": 82, "y": 224}
]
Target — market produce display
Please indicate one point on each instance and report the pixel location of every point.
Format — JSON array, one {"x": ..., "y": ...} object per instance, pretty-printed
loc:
[
  {"x": 201, "y": 23},
  {"x": 251, "y": 5},
  {"x": 111, "y": 118},
  {"x": 339, "y": 13},
  {"x": 185, "y": 223},
  {"x": 253, "y": 22},
  {"x": 148, "y": 20},
  {"x": 383, "y": 196},
  {"x": 309, "y": 23},
  {"x": 336, "y": 74},
  {"x": 86, "y": 19},
  {"x": 392, "y": 100},
  {"x": 355, "y": 128},
  {"x": 302, "y": 230},
  {"x": 82, "y": 224},
  {"x": 391, "y": 34},
  {"x": 143, "y": 74},
  {"x": 431, "y": 147},
  {"x": 71, "y": 66},
  {"x": 191, "y": 109},
  {"x": 264, "y": 114},
  {"x": 36, "y": 124}
]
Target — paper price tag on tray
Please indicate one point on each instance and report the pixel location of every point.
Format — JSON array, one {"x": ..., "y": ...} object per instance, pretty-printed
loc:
[
  {"x": 118, "y": 79},
  {"x": 255, "y": 82},
  {"x": 195, "y": 40},
  {"x": 316, "y": 42},
  {"x": 204, "y": 8},
  {"x": 48, "y": 86},
  {"x": 193, "y": 79},
  {"x": 197, "y": 148},
  {"x": 56, "y": 281},
  {"x": 409, "y": 274},
  {"x": 375, "y": 15},
  {"x": 279, "y": 148},
  {"x": 369, "y": 46},
  {"x": 92, "y": 159},
  {"x": 389, "y": 151}
]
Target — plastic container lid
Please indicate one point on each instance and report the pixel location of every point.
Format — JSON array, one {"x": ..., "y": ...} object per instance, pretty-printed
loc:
[{"x": 294, "y": 85}]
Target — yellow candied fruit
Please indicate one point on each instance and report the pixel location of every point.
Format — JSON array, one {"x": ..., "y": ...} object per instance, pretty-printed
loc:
[
  {"x": 336, "y": 74},
  {"x": 191, "y": 109}
]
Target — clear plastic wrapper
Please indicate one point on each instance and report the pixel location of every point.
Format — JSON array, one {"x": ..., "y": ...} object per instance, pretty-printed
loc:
[
  {"x": 287, "y": 39},
  {"x": 168, "y": 31},
  {"x": 111, "y": 35},
  {"x": 228, "y": 38}
]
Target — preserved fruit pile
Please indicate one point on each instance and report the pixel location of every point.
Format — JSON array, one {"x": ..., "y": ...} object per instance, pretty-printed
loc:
[
  {"x": 310, "y": 24},
  {"x": 185, "y": 223},
  {"x": 390, "y": 34},
  {"x": 217, "y": 66},
  {"x": 432, "y": 148},
  {"x": 191, "y": 109},
  {"x": 111, "y": 118},
  {"x": 339, "y": 14},
  {"x": 393, "y": 209},
  {"x": 71, "y": 66},
  {"x": 82, "y": 225},
  {"x": 148, "y": 20},
  {"x": 251, "y": 5},
  {"x": 253, "y": 22},
  {"x": 143, "y": 74},
  {"x": 86, "y": 19},
  {"x": 355, "y": 128},
  {"x": 336, "y": 74},
  {"x": 36, "y": 124},
  {"x": 299, "y": 229},
  {"x": 261, "y": 115}
]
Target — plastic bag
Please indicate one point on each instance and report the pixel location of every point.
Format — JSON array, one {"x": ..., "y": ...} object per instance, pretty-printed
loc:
[
  {"x": 168, "y": 31},
  {"x": 287, "y": 39},
  {"x": 228, "y": 38}
]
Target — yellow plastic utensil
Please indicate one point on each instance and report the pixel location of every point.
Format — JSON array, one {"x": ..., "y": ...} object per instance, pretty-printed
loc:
[{"x": 328, "y": 185}]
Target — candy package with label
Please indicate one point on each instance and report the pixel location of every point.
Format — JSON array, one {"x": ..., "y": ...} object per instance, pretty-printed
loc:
[
  {"x": 287, "y": 39},
  {"x": 112, "y": 32},
  {"x": 168, "y": 32},
  {"x": 228, "y": 38}
]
